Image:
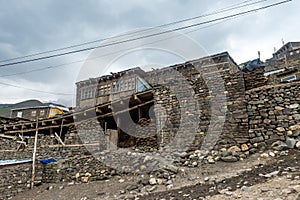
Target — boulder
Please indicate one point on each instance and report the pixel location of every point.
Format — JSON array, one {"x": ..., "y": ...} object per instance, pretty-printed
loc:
[
  {"x": 280, "y": 129},
  {"x": 293, "y": 106},
  {"x": 297, "y": 145},
  {"x": 234, "y": 149},
  {"x": 290, "y": 142},
  {"x": 229, "y": 159},
  {"x": 294, "y": 127},
  {"x": 152, "y": 181},
  {"x": 244, "y": 147},
  {"x": 279, "y": 145}
]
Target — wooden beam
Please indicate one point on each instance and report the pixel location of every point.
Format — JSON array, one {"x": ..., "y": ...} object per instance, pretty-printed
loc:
[
  {"x": 61, "y": 128},
  {"x": 59, "y": 139},
  {"x": 8, "y": 137},
  {"x": 98, "y": 110},
  {"x": 137, "y": 98}
]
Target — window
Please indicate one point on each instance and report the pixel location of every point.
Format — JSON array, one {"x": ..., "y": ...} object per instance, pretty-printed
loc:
[
  {"x": 19, "y": 114},
  {"x": 104, "y": 89},
  {"x": 141, "y": 85},
  {"x": 33, "y": 113},
  {"x": 42, "y": 112},
  {"x": 87, "y": 93},
  {"x": 52, "y": 112},
  {"x": 195, "y": 76},
  {"x": 289, "y": 78}
]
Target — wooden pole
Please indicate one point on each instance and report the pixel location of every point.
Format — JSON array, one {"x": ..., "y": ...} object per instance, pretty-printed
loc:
[
  {"x": 118, "y": 131},
  {"x": 34, "y": 153},
  {"x": 59, "y": 139},
  {"x": 139, "y": 113},
  {"x": 61, "y": 127},
  {"x": 285, "y": 61}
]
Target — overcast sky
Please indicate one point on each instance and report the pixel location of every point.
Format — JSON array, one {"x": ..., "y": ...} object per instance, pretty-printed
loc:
[{"x": 33, "y": 26}]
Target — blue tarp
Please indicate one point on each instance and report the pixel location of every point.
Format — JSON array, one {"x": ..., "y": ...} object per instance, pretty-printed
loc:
[{"x": 49, "y": 160}]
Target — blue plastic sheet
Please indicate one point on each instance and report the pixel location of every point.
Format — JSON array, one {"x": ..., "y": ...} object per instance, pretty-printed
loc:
[{"x": 49, "y": 160}]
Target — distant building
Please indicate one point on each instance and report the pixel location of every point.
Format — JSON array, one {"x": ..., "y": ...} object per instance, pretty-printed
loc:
[
  {"x": 34, "y": 109},
  {"x": 286, "y": 49},
  {"x": 284, "y": 66}
]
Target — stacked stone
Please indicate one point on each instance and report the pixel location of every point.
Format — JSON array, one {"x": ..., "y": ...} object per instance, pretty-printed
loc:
[
  {"x": 8, "y": 144},
  {"x": 76, "y": 169},
  {"x": 232, "y": 136},
  {"x": 254, "y": 79},
  {"x": 146, "y": 137},
  {"x": 272, "y": 112},
  {"x": 17, "y": 179},
  {"x": 167, "y": 114},
  {"x": 90, "y": 133},
  {"x": 72, "y": 138},
  {"x": 235, "y": 126},
  {"x": 215, "y": 83}
]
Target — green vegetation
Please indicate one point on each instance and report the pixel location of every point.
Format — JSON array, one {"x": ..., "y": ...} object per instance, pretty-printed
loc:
[{"x": 5, "y": 112}]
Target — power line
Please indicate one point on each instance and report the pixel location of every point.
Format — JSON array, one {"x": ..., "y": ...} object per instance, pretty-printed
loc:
[
  {"x": 146, "y": 36},
  {"x": 103, "y": 55},
  {"x": 180, "y": 28},
  {"x": 47, "y": 92},
  {"x": 127, "y": 34},
  {"x": 138, "y": 31},
  {"x": 34, "y": 90}
]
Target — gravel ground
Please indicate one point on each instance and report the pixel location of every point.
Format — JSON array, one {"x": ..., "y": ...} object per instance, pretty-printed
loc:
[{"x": 254, "y": 178}]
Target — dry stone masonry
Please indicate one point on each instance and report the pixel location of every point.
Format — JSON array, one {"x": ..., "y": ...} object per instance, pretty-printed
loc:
[{"x": 204, "y": 103}]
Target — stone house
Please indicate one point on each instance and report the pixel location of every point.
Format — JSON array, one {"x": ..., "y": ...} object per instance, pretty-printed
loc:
[
  {"x": 95, "y": 91},
  {"x": 285, "y": 64}
]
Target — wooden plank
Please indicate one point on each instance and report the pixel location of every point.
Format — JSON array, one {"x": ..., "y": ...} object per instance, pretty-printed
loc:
[
  {"x": 61, "y": 128},
  {"x": 6, "y": 129},
  {"x": 8, "y": 137},
  {"x": 59, "y": 139},
  {"x": 113, "y": 139}
]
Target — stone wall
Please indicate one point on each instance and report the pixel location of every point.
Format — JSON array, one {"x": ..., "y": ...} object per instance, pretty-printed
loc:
[
  {"x": 272, "y": 111},
  {"x": 292, "y": 59},
  {"x": 277, "y": 77},
  {"x": 17, "y": 179},
  {"x": 207, "y": 93},
  {"x": 188, "y": 107},
  {"x": 77, "y": 169}
]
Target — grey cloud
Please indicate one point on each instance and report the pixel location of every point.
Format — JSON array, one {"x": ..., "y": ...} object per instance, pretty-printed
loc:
[{"x": 34, "y": 26}]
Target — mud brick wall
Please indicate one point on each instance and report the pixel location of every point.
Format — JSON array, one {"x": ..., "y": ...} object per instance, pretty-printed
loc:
[{"x": 272, "y": 110}]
